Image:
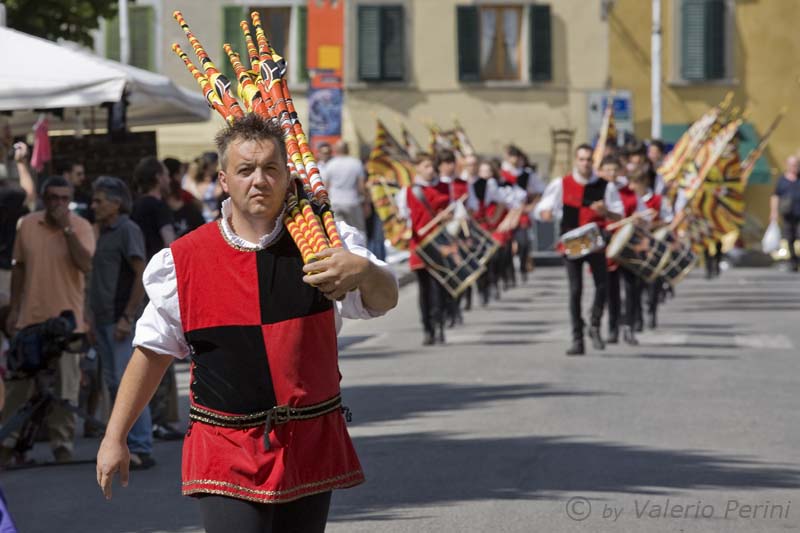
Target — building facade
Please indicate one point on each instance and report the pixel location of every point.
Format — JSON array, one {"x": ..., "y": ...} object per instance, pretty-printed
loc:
[
  {"x": 508, "y": 71},
  {"x": 711, "y": 47}
]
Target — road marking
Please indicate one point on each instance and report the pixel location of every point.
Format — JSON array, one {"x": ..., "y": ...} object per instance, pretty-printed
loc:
[{"x": 773, "y": 342}]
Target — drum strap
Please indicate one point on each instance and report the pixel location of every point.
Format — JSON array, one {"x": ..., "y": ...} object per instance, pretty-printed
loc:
[{"x": 417, "y": 190}]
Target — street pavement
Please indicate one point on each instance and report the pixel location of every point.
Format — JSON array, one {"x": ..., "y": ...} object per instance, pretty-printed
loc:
[{"x": 695, "y": 430}]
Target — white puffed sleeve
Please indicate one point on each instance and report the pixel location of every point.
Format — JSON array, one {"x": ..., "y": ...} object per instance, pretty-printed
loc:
[
  {"x": 159, "y": 328},
  {"x": 551, "y": 200},
  {"x": 352, "y": 306}
]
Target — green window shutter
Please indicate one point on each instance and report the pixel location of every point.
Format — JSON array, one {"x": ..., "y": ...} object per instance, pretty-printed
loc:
[
  {"x": 142, "y": 35},
  {"x": 703, "y": 39},
  {"x": 469, "y": 63},
  {"x": 392, "y": 43},
  {"x": 112, "y": 38},
  {"x": 232, "y": 34},
  {"x": 302, "y": 44},
  {"x": 369, "y": 43},
  {"x": 541, "y": 47}
]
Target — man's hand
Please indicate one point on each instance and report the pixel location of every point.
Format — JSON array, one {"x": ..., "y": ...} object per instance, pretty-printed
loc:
[
  {"x": 546, "y": 215},
  {"x": 122, "y": 329},
  {"x": 599, "y": 207},
  {"x": 337, "y": 273},
  {"x": 112, "y": 457},
  {"x": 20, "y": 152}
]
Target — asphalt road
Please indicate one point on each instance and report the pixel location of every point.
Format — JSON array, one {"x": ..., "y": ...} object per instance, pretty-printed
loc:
[{"x": 696, "y": 429}]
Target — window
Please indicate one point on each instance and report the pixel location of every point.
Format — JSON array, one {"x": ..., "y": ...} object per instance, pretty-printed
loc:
[
  {"x": 704, "y": 38},
  {"x": 285, "y": 27},
  {"x": 381, "y": 43},
  {"x": 491, "y": 46},
  {"x": 141, "y": 22}
]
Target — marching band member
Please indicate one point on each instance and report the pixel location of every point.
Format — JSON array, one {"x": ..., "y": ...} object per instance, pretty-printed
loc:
[
  {"x": 457, "y": 188},
  {"x": 488, "y": 212},
  {"x": 639, "y": 182},
  {"x": 577, "y": 199},
  {"x": 261, "y": 330},
  {"x": 609, "y": 169},
  {"x": 419, "y": 204}
]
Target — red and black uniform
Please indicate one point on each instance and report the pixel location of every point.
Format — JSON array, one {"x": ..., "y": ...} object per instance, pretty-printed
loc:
[
  {"x": 615, "y": 274},
  {"x": 488, "y": 216},
  {"x": 424, "y": 202},
  {"x": 654, "y": 288},
  {"x": 576, "y": 199},
  {"x": 266, "y": 417}
]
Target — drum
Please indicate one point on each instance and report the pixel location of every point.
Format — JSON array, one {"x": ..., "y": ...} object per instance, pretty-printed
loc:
[
  {"x": 681, "y": 258},
  {"x": 478, "y": 240},
  {"x": 451, "y": 260},
  {"x": 582, "y": 241},
  {"x": 637, "y": 250}
]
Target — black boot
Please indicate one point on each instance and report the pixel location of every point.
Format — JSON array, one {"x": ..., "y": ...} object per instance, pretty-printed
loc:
[
  {"x": 597, "y": 339},
  {"x": 652, "y": 323},
  {"x": 613, "y": 336},
  {"x": 576, "y": 348},
  {"x": 628, "y": 336},
  {"x": 429, "y": 339},
  {"x": 440, "y": 335},
  {"x": 638, "y": 325}
]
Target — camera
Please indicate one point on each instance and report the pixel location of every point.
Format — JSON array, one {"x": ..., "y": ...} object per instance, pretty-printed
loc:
[{"x": 33, "y": 347}]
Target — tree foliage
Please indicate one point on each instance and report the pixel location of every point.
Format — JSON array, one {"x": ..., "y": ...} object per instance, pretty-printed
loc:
[{"x": 52, "y": 19}]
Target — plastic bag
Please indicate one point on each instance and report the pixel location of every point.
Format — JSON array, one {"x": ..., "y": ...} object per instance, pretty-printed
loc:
[{"x": 772, "y": 238}]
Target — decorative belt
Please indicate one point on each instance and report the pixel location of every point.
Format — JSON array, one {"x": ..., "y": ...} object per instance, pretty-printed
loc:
[{"x": 272, "y": 417}]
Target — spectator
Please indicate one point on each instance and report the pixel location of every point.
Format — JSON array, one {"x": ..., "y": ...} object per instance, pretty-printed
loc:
[
  {"x": 345, "y": 176},
  {"x": 75, "y": 174},
  {"x": 324, "y": 154},
  {"x": 186, "y": 210},
  {"x": 116, "y": 296},
  {"x": 202, "y": 183},
  {"x": 150, "y": 212},
  {"x": 52, "y": 253},
  {"x": 154, "y": 218},
  {"x": 785, "y": 201}
]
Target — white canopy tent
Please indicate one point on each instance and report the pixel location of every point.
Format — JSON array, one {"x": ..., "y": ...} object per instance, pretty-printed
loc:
[{"x": 39, "y": 74}]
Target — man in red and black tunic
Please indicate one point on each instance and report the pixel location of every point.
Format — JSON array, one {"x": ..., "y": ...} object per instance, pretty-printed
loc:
[
  {"x": 419, "y": 204},
  {"x": 267, "y": 440},
  {"x": 457, "y": 189},
  {"x": 579, "y": 199}
]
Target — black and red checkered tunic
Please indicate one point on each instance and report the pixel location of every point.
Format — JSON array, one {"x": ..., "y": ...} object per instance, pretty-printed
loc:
[{"x": 260, "y": 338}]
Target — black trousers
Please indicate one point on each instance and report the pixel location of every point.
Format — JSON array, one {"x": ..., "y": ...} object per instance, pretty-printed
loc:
[
  {"x": 431, "y": 302},
  {"x": 653, "y": 294},
  {"x": 222, "y": 514},
  {"x": 712, "y": 261},
  {"x": 790, "y": 225},
  {"x": 597, "y": 263},
  {"x": 523, "y": 241},
  {"x": 632, "y": 298}
]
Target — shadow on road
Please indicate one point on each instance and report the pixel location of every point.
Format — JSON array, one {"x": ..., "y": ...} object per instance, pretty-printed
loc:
[{"x": 428, "y": 469}]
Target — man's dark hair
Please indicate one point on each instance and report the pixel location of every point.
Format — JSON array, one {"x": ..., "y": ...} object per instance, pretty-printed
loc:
[
  {"x": 115, "y": 190},
  {"x": 250, "y": 127},
  {"x": 173, "y": 166},
  {"x": 67, "y": 166},
  {"x": 610, "y": 160},
  {"x": 445, "y": 156},
  {"x": 583, "y": 146},
  {"x": 145, "y": 175},
  {"x": 423, "y": 156},
  {"x": 55, "y": 181},
  {"x": 658, "y": 143},
  {"x": 635, "y": 148},
  {"x": 515, "y": 151}
]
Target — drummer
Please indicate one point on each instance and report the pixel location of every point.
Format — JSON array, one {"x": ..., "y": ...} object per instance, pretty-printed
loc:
[
  {"x": 419, "y": 204},
  {"x": 578, "y": 199},
  {"x": 609, "y": 171},
  {"x": 640, "y": 183}
]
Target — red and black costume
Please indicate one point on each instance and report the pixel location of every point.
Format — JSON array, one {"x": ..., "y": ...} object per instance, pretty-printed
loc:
[
  {"x": 576, "y": 199},
  {"x": 632, "y": 284},
  {"x": 653, "y": 201},
  {"x": 488, "y": 215},
  {"x": 424, "y": 202},
  {"x": 265, "y": 408}
]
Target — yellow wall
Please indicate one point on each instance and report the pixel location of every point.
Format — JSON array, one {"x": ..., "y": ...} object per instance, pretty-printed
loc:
[{"x": 765, "y": 69}]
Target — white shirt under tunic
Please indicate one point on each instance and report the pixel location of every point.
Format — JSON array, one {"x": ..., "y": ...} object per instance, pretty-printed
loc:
[{"x": 160, "y": 330}]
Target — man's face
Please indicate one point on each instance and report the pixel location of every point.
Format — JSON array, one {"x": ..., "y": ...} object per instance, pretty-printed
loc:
[
  {"x": 583, "y": 161},
  {"x": 635, "y": 162},
  {"x": 324, "y": 153},
  {"x": 255, "y": 177},
  {"x": 792, "y": 165},
  {"x": 163, "y": 179},
  {"x": 471, "y": 165},
  {"x": 425, "y": 170},
  {"x": 447, "y": 168},
  {"x": 654, "y": 154},
  {"x": 76, "y": 176},
  {"x": 104, "y": 209},
  {"x": 485, "y": 171},
  {"x": 56, "y": 201},
  {"x": 609, "y": 172},
  {"x": 514, "y": 160}
]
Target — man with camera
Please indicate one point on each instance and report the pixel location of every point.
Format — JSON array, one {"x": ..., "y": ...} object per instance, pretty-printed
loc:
[{"x": 52, "y": 254}]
